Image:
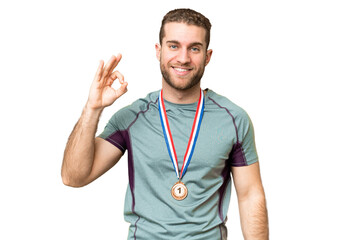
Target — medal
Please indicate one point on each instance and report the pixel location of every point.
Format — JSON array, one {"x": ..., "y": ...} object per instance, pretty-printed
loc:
[{"x": 179, "y": 190}]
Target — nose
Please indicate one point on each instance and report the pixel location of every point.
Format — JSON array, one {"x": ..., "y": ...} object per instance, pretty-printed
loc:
[{"x": 183, "y": 56}]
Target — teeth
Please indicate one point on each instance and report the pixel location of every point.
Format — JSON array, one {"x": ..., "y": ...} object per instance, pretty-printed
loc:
[{"x": 181, "y": 69}]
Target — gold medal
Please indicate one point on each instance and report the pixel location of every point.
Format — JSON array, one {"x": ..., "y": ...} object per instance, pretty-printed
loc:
[{"x": 179, "y": 191}]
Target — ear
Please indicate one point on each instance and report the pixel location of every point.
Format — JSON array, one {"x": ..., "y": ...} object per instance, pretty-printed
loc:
[
  {"x": 208, "y": 56},
  {"x": 158, "y": 50}
]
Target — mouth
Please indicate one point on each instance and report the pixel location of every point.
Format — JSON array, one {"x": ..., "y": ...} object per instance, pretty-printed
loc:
[{"x": 181, "y": 70}]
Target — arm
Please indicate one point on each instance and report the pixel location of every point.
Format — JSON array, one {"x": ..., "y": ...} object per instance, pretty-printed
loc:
[
  {"x": 251, "y": 200},
  {"x": 87, "y": 158}
]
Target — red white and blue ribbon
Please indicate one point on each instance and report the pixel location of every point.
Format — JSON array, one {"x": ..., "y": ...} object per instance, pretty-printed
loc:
[{"x": 193, "y": 136}]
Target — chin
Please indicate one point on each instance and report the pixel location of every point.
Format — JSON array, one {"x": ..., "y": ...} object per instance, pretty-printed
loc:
[{"x": 181, "y": 85}]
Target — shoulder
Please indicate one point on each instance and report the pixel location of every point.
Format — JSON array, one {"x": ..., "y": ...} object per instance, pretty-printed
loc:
[
  {"x": 219, "y": 101},
  {"x": 127, "y": 115},
  {"x": 240, "y": 118}
]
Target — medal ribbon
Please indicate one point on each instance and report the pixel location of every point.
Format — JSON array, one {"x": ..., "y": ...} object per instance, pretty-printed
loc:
[{"x": 193, "y": 136}]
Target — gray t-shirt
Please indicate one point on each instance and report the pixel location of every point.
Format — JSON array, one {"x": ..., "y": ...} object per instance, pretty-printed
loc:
[{"x": 225, "y": 140}]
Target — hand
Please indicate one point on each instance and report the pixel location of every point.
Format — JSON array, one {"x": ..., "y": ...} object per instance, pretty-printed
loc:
[{"x": 101, "y": 93}]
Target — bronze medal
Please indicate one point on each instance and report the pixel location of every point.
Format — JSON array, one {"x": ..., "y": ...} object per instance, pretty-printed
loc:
[{"x": 179, "y": 191}]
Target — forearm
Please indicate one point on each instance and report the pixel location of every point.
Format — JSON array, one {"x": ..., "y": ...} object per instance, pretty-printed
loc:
[
  {"x": 79, "y": 152},
  {"x": 254, "y": 218}
]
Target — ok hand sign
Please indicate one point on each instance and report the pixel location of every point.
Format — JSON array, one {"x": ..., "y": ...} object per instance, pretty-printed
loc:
[{"x": 101, "y": 93}]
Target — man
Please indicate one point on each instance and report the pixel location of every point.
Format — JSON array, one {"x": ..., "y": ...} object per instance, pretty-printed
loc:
[{"x": 183, "y": 142}]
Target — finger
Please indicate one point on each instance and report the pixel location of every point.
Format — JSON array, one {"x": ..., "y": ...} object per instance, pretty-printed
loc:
[
  {"x": 99, "y": 71},
  {"x": 123, "y": 89},
  {"x": 118, "y": 58},
  {"x": 108, "y": 66},
  {"x": 116, "y": 75}
]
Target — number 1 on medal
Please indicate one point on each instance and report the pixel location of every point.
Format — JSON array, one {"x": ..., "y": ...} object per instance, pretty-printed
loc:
[{"x": 179, "y": 191}]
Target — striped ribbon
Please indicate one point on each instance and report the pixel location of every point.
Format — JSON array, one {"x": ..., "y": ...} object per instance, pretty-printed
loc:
[{"x": 193, "y": 136}]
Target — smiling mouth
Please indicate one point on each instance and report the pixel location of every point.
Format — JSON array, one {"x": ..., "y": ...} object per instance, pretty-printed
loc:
[{"x": 181, "y": 71}]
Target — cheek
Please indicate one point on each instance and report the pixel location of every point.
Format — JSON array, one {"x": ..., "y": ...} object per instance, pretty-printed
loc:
[
  {"x": 168, "y": 56},
  {"x": 200, "y": 61},
  {"x": 163, "y": 56}
]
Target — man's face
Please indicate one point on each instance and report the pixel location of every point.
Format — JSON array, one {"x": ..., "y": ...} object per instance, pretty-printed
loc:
[{"x": 183, "y": 55}]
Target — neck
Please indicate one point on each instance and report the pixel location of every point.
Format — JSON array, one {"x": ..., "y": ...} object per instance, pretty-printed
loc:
[{"x": 181, "y": 96}]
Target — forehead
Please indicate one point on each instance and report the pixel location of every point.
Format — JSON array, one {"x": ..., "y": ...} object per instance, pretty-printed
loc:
[{"x": 184, "y": 33}]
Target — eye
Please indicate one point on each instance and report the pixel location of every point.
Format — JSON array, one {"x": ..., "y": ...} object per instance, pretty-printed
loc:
[
  {"x": 195, "y": 49},
  {"x": 173, "y": 47}
]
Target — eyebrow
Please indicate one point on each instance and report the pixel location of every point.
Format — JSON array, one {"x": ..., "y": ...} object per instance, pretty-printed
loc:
[{"x": 191, "y": 44}]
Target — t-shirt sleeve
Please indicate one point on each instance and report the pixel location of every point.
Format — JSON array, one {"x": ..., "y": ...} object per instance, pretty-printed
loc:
[
  {"x": 244, "y": 150},
  {"x": 115, "y": 133}
]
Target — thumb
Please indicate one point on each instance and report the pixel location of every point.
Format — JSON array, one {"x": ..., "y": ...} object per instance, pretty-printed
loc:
[{"x": 122, "y": 90}]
